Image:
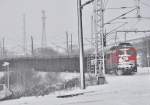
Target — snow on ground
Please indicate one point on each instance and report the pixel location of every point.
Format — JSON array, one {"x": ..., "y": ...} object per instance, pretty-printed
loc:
[
  {"x": 68, "y": 76},
  {"x": 120, "y": 90},
  {"x": 1, "y": 74},
  {"x": 143, "y": 70}
]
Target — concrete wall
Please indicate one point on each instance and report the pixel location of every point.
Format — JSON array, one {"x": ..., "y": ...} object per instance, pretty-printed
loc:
[{"x": 45, "y": 64}]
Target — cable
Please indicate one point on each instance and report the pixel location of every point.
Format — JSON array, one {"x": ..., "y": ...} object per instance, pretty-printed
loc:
[
  {"x": 117, "y": 22},
  {"x": 135, "y": 17},
  {"x": 120, "y": 16},
  {"x": 116, "y": 28},
  {"x": 120, "y": 8}
]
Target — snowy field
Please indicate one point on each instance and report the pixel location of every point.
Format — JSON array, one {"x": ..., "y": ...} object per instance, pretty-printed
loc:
[{"x": 120, "y": 90}]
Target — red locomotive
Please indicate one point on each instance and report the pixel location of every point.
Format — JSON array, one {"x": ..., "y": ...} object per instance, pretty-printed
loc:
[{"x": 121, "y": 59}]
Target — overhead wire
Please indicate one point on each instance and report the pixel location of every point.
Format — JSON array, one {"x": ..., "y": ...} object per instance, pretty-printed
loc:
[
  {"x": 116, "y": 28},
  {"x": 137, "y": 22},
  {"x": 120, "y": 16},
  {"x": 120, "y": 8},
  {"x": 139, "y": 17}
]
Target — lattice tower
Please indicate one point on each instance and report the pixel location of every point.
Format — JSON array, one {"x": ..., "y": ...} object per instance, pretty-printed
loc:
[
  {"x": 43, "y": 42},
  {"x": 99, "y": 32}
]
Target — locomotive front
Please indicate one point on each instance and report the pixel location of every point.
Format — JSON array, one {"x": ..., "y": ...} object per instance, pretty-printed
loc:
[{"x": 127, "y": 61}]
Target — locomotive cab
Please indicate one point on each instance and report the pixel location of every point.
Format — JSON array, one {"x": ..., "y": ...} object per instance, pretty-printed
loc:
[
  {"x": 121, "y": 59},
  {"x": 127, "y": 60}
]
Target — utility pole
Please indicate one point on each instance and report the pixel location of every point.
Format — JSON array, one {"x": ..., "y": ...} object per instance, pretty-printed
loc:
[
  {"x": 92, "y": 28},
  {"x": 96, "y": 37},
  {"x": 24, "y": 35},
  {"x": 67, "y": 43},
  {"x": 80, "y": 37},
  {"x": 125, "y": 36},
  {"x": 102, "y": 38},
  {"x": 43, "y": 42},
  {"x": 71, "y": 44},
  {"x": 32, "y": 46},
  {"x": 3, "y": 47},
  {"x": 8, "y": 76}
]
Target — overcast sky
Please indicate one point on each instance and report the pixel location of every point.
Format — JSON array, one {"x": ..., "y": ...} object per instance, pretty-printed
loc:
[{"x": 61, "y": 17}]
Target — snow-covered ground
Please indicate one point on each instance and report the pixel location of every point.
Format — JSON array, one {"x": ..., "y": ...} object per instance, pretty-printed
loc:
[
  {"x": 120, "y": 90},
  {"x": 1, "y": 74}
]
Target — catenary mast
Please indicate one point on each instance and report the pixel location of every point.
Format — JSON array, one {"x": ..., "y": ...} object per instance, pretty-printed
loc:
[{"x": 99, "y": 37}]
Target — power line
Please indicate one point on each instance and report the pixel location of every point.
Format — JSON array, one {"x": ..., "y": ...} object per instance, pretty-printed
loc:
[
  {"x": 116, "y": 28},
  {"x": 120, "y": 16},
  {"x": 67, "y": 43},
  {"x": 32, "y": 46},
  {"x": 71, "y": 43},
  {"x": 135, "y": 18},
  {"x": 120, "y": 8},
  {"x": 3, "y": 48}
]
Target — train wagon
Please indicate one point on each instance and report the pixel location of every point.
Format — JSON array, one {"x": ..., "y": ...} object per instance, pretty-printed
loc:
[{"x": 121, "y": 59}]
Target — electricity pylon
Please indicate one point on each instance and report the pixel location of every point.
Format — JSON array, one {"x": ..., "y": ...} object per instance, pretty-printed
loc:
[
  {"x": 43, "y": 42},
  {"x": 99, "y": 38}
]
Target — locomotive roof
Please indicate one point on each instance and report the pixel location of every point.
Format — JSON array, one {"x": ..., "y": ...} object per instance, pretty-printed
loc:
[
  {"x": 125, "y": 44},
  {"x": 122, "y": 45},
  {"x": 114, "y": 47}
]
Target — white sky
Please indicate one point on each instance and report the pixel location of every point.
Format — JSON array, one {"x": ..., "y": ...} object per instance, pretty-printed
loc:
[{"x": 61, "y": 17}]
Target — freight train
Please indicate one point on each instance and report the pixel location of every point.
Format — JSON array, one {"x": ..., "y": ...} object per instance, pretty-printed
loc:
[{"x": 121, "y": 59}]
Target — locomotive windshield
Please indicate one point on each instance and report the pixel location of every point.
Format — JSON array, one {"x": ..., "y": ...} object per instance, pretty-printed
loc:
[
  {"x": 121, "y": 52},
  {"x": 131, "y": 52}
]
